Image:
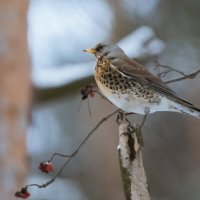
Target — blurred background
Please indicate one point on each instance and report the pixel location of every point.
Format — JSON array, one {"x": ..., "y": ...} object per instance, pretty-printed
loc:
[{"x": 42, "y": 70}]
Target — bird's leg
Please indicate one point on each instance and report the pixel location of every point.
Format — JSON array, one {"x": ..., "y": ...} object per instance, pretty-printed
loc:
[
  {"x": 143, "y": 120},
  {"x": 139, "y": 132},
  {"x": 146, "y": 114},
  {"x": 121, "y": 117}
]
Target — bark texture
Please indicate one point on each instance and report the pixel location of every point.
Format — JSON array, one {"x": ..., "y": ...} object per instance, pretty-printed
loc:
[{"x": 131, "y": 163}]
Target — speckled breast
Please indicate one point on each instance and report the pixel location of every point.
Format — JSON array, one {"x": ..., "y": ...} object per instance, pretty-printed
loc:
[{"x": 113, "y": 81}]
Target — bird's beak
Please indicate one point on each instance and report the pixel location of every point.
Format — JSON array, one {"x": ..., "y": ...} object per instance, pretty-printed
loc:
[{"x": 90, "y": 50}]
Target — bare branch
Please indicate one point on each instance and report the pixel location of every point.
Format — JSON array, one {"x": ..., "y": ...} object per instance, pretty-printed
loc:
[
  {"x": 171, "y": 69},
  {"x": 69, "y": 157},
  {"x": 131, "y": 163},
  {"x": 60, "y": 155},
  {"x": 187, "y": 76}
]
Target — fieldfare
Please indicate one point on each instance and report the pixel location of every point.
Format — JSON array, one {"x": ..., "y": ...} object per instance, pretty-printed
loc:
[{"x": 131, "y": 87}]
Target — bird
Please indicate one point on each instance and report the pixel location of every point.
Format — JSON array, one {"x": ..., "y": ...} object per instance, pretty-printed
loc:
[{"x": 128, "y": 85}]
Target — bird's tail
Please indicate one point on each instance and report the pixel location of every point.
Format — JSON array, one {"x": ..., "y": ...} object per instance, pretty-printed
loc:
[
  {"x": 193, "y": 112},
  {"x": 187, "y": 108}
]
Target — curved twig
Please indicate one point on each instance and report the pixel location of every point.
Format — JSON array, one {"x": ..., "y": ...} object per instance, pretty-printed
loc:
[{"x": 69, "y": 157}]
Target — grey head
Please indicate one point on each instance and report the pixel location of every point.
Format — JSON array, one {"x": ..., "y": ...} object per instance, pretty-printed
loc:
[{"x": 107, "y": 50}]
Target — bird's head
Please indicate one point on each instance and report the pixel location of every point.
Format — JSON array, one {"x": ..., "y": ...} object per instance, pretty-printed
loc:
[{"x": 106, "y": 50}]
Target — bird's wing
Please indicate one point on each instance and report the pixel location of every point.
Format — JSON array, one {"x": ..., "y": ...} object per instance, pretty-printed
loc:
[{"x": 135, "y": 71}]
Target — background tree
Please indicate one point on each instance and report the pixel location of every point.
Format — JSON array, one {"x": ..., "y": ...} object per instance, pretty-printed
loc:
[{"x": 15, "y": 95}]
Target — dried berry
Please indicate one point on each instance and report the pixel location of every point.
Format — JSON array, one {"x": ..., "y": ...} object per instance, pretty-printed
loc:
[
  {"x": 23, "y": 193},
  {"x": 46, "y": 167},
  {"x": 88, "y": 90}
]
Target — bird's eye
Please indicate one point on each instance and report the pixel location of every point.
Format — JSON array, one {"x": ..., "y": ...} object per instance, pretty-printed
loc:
[{"x": 99, "y": 47}]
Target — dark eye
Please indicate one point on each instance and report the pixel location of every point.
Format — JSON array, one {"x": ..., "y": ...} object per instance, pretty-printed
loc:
[{"x": 99, "y": 47}]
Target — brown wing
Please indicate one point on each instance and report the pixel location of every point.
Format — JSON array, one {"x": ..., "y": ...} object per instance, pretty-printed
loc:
[{"x": 136, "y": 71}]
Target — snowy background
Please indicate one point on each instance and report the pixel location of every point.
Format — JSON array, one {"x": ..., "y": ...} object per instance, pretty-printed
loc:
[{"x": 58, "y": 31}]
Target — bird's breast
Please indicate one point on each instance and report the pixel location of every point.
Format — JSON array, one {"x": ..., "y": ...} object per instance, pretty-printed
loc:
[{"x": 126, "y": 94}]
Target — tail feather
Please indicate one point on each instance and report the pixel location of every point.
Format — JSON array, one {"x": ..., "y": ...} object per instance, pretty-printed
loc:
[
  {"x": 187, "y": 108},
  {"x": 191, "y": 110},
  {"x": 194, "y": 111}
]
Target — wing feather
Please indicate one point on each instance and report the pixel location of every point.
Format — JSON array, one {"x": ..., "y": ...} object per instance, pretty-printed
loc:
[{"x": 135, "y": 71}]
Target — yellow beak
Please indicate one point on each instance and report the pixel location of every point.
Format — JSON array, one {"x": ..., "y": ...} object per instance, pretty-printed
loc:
[{"x": 90, "y": 50}]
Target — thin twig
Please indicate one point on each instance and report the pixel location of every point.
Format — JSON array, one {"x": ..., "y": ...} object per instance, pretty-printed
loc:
[
  {"x": 187, "y": 76},
  {"x": 171, "y": 69},
  {"x": 86, "y": 93},
  {"x": 73, "y": 154},
  {"x": 59, "y": 154}
]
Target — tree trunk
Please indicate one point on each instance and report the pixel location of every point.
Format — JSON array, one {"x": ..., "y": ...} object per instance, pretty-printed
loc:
[{"x": 15, "y": 90}]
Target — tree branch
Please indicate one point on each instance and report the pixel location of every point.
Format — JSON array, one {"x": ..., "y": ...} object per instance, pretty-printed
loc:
[
  {"x": 69, "y": 157},
  {"x": 131, "y": 162},
  {"x": 187, "y": 76},
  {"x": 171, "y": 69}
]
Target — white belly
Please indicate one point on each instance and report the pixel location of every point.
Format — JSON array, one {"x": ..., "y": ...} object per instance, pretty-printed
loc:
[
  {"x": 131, "y": 103},
  {"x": 126, "y": 102}
]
